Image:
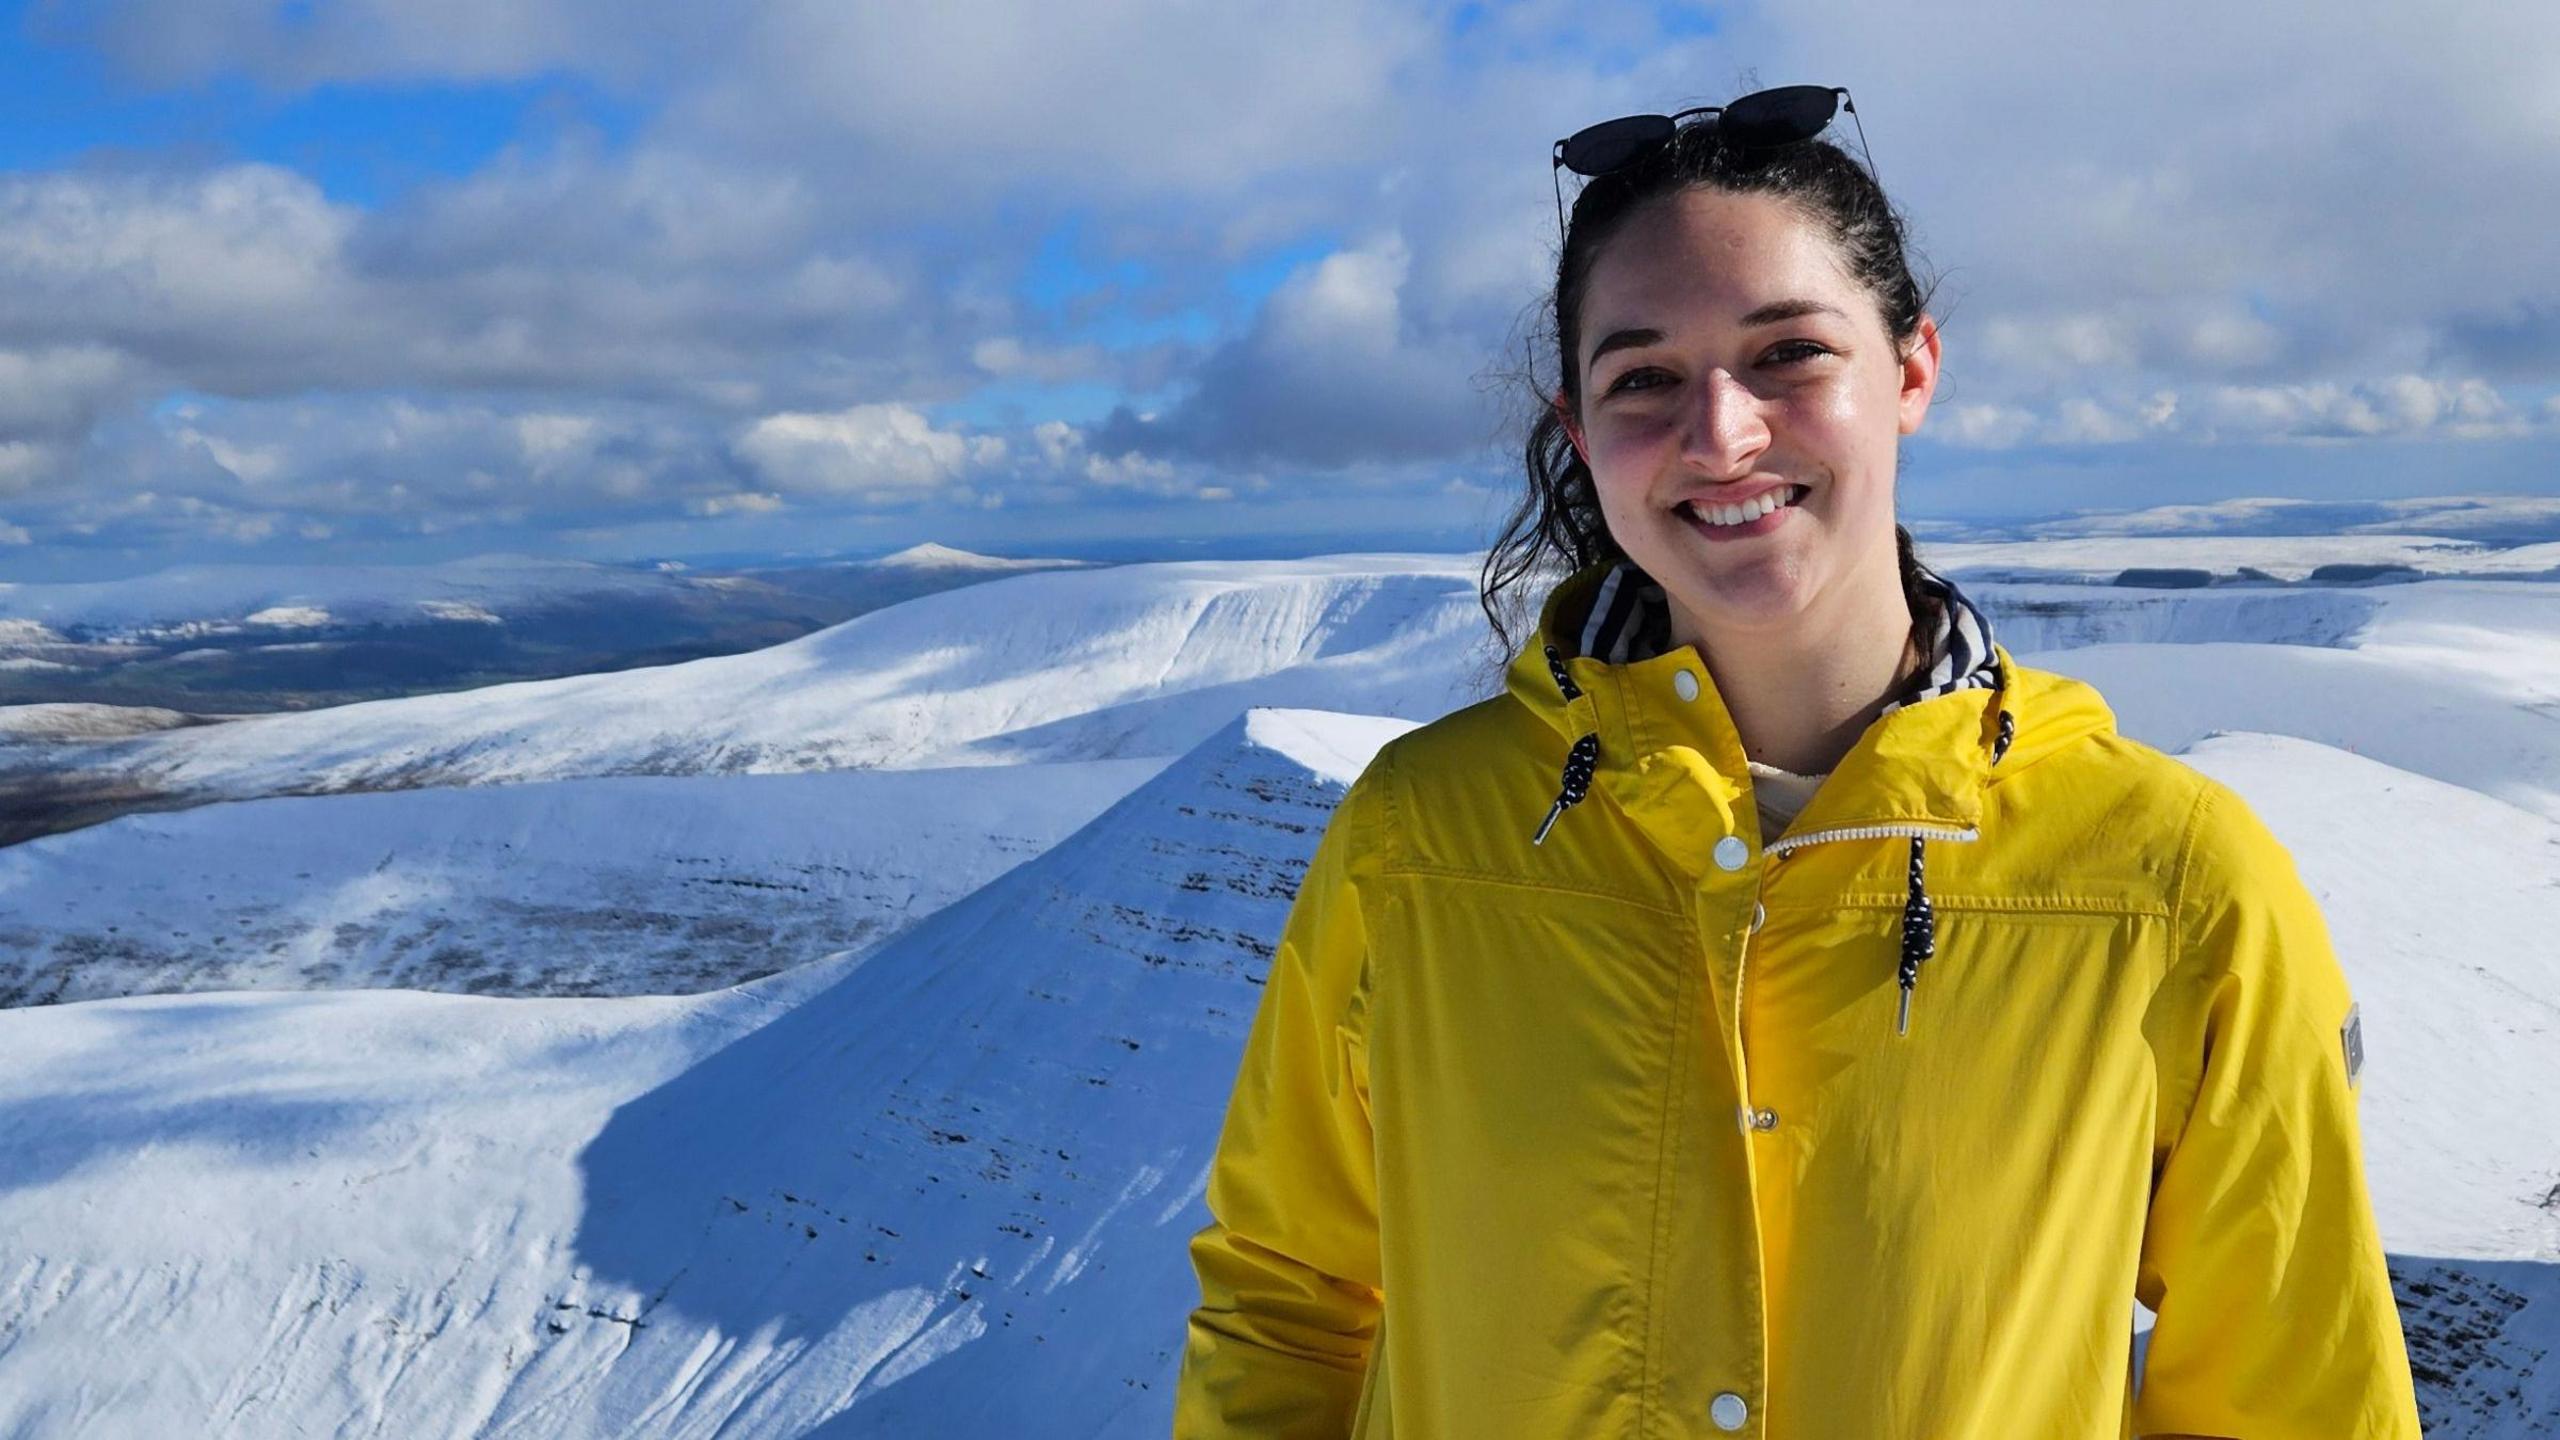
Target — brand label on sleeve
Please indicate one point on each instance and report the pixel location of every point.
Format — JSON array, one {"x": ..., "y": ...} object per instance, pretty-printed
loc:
[{"x": 2351, "y": 1043}]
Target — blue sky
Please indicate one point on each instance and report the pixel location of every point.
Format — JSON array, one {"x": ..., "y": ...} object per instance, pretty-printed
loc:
[{"x": 370, "y": 280}]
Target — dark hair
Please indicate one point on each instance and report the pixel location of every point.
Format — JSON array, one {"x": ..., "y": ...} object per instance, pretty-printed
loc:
[{"x": 1558, "y": 521}]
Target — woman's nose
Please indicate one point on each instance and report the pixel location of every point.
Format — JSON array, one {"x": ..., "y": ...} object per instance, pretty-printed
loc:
[{"x": 1726, "y": 430}]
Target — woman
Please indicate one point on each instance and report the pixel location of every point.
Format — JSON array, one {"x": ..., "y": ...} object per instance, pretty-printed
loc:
[{"x": 1781, "y": 1012}]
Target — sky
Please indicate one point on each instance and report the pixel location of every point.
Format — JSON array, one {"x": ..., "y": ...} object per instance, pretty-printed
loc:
[{"x": 297, "y": 282}]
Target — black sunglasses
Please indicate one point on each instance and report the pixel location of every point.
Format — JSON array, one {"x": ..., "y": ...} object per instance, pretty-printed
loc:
[{"x": 1762, "y": 120}]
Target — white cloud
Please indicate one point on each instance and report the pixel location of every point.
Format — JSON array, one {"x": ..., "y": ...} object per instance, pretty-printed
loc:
[
  {"x": 744, "y": 502},
  {"x": 2396, "y": 405},
  {"x": 549, "y": 437},
  {"x": 1990, "y": 427},
  {"x": 1333, "y": 373},
  {"x": 2210, "y": 232},
  {"x": 2082, "y": 421},
  {"x": 23, "y": 463},
  {"x": 884, "y": 451},
  {"x": 1006, "y": 357},
  {"x": 59, "y": 390}
]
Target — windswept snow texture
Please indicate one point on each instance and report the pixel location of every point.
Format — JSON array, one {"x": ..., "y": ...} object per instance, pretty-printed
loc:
[
  {"x": 943, "y": 1190},
  {"x": 229, "y": 639},
  {"x": 1147, "y": 660},
  {"x": 636, "y": 886},
  {"x": 1079, "y": 665},
  {"x": 81, "y": 720},
  {"x": 224, "y": 599},
  {"x": 946, "y": 1189},
  {"x": 2459, "y": 680},
  {"x": 2229, "y": 557}
]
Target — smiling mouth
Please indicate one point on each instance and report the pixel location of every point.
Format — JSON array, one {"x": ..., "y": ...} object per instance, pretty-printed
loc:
[{"x": 1718, "y": 516}]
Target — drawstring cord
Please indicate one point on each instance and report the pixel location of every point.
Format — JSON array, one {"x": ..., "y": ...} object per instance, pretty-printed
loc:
[
  {"x": 1579, "y": 763},
  {"x": 1919, "y": 935},
  {"x": 1919, "y": 921}
]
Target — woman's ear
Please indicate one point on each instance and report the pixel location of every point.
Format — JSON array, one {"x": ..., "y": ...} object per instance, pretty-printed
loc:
[
  {"x": 1919, "y": 377},
  {"x": 1572, "y": 430}
]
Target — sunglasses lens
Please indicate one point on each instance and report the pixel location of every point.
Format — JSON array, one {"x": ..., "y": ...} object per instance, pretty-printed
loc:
[
  {"x": 1782, "y": 116},
  {"x": 1601, "y": 148}
]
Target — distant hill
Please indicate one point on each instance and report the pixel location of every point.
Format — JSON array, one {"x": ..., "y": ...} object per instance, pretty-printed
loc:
[{"x": 232, "y": 639}]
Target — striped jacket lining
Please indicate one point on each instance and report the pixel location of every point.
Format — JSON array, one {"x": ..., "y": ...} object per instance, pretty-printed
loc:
[{"x": 1630, "y": 621}]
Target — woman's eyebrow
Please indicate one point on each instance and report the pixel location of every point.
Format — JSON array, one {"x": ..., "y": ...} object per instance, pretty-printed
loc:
[
  {"x": 1622, "y": 340},
  {"x": 1777, "y": 310},
  {"x": 1770, "y": 314}
]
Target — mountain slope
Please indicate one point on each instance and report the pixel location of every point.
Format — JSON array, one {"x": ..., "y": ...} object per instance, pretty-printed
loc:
[
  {"x": 641, "y": 885},
  {"x": 917, "y": 684}
]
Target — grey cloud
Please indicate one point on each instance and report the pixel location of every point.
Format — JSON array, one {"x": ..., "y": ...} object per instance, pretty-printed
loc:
[
  {"x": 1330, "y": 375},
  {"x": 2518, "y": 342},
  {"x": 2292, "y": 229},
  {"x": 288, "y": 45},
  {"x": 2355, "y": 179}
]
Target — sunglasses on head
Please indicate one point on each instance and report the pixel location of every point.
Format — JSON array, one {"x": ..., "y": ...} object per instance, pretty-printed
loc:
[{"x": 1762, "y": 120}]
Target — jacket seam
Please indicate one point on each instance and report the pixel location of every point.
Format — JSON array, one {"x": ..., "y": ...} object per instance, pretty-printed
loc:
[
  {"x": 1666, "y": 1180},
  {"x": 1378, "y": 838},
  {"x": 1490, "y": 877},
  {"x": 2174, "y": 972},
  {"x": 1885, "y": 900}
]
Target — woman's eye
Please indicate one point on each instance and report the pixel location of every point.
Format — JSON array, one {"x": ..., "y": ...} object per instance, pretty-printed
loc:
[
  {"x": 1793, "y": 350},
  {"x": 1629, "y": 379}
]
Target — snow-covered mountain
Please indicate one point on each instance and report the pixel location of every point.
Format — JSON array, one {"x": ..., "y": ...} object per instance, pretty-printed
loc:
[
  {"x": 206, "y": 600},
  {"x": 1078, "y": 665},
  {"x": 1138, "y": 661},
  {"x": 563, "y": 888},
  {"x": 2510, "y": 518},
  {"x": 632, "y": 886},
  {"x": 225, "y": 639},
  {"x": 2261, "y": 558},
  {"x": 932, "y": 556},
  {"x": 945, "y": 1188}
]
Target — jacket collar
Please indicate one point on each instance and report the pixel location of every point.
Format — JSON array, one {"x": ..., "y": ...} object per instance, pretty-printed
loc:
[{"x": 1676, "y": 767}]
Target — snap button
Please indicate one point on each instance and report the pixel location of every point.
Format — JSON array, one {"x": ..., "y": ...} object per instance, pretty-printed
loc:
[
  {"x": 1732, "y": 853},
  {"x": 1728, "y": 1411},
  {"x": 1764, "y": 1119},
  {"x": 1759, "y": 917},
  {"x": 1684, "y": 684}
]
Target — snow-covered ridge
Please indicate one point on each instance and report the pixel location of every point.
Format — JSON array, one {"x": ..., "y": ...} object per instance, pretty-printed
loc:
[
  {"x": 634, "y": 886},
  {"x": 2101, "y": 558},
  {"x": 1145, "y": 661},
  {"x": 1138, "y": 661},
  {"x": 929, "y": 556},
  {"x": 946, "y": 1186},
  {"x": 74, "y": 720},
  {"x": 2515, "y": 517},
  {"x": 197, "y": 600}
]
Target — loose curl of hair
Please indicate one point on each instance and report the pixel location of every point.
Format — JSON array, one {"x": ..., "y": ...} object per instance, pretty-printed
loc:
[{"x": 1557, "y": 525}]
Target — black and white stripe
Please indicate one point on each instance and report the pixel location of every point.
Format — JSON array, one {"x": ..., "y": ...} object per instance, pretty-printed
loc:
[
  {"x": 1960, "y": 653},
  {"x": 1630, "y": 621}
]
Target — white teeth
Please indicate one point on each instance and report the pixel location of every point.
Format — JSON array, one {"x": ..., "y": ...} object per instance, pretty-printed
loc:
[{"x": 1744, "y": 513}]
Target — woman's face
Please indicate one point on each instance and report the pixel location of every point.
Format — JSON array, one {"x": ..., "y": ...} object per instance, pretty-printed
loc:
[{"x": 1727, "y": 359}]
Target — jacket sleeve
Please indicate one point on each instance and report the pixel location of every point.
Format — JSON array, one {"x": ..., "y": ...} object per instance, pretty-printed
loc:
[
  {"x": 1288, "y": 1267},
  {"x": 2260, "y": 1257}
]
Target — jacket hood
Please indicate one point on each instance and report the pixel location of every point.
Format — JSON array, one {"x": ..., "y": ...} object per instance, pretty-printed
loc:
[{"x": 1922, "y": 764}]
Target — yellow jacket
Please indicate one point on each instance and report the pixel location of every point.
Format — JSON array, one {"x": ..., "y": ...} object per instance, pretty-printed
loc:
[{"x": 1617, "y": 1136}]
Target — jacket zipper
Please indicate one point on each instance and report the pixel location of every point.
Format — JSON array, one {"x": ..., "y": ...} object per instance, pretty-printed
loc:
[
  {"x": 1785, "y": 843},
  {"x": 1919, "y": 920}
]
